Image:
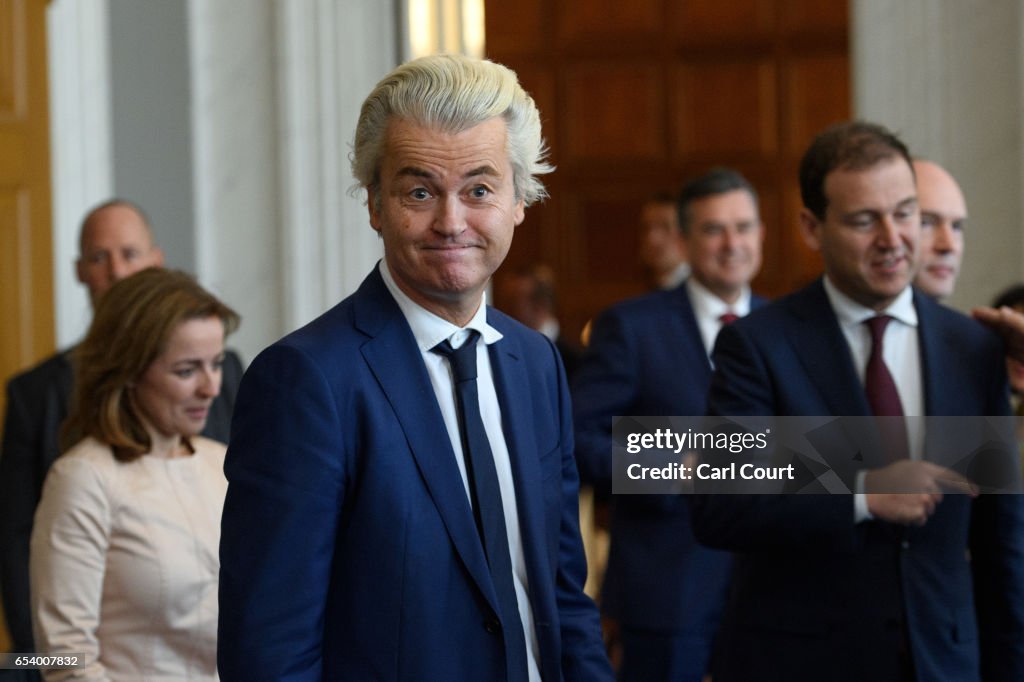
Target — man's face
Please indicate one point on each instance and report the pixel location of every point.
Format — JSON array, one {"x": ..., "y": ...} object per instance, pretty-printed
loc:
[
  {"x": 662, "y": 247},
  {"x": 870, "y": 233},
  {"x": 724, "y": 242},
  {"x": 115, "y": 243},
  {"x": 943, "y": 218},
  {"x": 447, "y": 212}
]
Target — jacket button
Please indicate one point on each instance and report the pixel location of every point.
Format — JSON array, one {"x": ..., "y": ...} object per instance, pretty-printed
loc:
[{"x": 492, "y": 626}]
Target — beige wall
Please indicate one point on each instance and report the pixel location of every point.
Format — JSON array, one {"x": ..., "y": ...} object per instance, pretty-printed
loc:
[{"x": 949, "y": 76}]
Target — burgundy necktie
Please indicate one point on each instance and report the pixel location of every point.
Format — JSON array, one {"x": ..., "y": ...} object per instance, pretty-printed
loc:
[
  {"x": 728, "y": 318},
  {"x": 882, "y": 394}
]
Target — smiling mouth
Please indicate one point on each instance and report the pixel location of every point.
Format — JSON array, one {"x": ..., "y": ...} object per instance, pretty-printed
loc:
[{"x": 889, "y": 263}]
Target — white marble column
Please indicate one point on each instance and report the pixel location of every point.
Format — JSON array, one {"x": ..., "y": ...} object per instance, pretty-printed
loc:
[
  {"x": 250, "y": 182},
  {"x": 949, "y": 77},
  {"x": 331, "y": 54},
  {"x": 80, "y": 144},
  {"x": 237, "y": 212}
]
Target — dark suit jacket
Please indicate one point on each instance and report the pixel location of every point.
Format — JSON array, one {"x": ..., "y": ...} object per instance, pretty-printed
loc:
[
  {"x": 815, "y": 596},
  {"x": 37, "y": 404},
  {"x": 646, "y": 358},
  {"x": 348, "y": 548}
]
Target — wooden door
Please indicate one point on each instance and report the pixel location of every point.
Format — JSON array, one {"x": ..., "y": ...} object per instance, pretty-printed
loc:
[
  {"x": 26, "y": 282},
  {"x": 643, "y": 95}
]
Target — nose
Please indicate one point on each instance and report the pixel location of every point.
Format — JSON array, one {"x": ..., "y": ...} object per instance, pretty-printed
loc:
[
  {"x": 730, "y": 239},
  {"x": 209, "y": 383},
  {"x": 449, "y": 218},
  {"x": 888, "y": 233},
  {"x": 117, "y": 268},
  {"x": 942, "y": 238}
]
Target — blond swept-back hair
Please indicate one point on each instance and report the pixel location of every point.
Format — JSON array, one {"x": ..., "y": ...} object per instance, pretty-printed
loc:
[
  {"x": 453, "y": 93},
  {"x": 131, "y": 328}
]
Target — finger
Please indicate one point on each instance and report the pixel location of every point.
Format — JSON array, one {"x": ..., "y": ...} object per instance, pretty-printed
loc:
[{"x": 953, "y": 482}]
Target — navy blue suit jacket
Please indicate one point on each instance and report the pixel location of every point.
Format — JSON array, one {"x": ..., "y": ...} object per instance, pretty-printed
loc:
[
  {"x": 349, "y": 550},
  {"x": 646, "y": 358},
  {"x": 815, "y": 596}
]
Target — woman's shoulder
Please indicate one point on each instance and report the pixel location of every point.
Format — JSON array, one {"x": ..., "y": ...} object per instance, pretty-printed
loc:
[
  {"x": 208, "y": 448},
  {"x": 87, "y": 453}
]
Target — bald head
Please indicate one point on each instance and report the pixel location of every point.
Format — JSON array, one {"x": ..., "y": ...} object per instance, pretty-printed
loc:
[
  {"x": 116, "y": 241},
  {"x": 943, "y": 219}
]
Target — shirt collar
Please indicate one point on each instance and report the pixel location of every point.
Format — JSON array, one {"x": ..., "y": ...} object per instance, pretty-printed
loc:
[
  {"x": 707, "y": 305},
  {"x": 851, "y": 313},
  {"x": 427, "y": 328}
]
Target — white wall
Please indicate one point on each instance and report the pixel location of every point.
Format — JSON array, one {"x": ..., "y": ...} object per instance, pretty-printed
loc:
[
  {"x": 948, "y": 76},
  {"x": 233, "y": 134}
]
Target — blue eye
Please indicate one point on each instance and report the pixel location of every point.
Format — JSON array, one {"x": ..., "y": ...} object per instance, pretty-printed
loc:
[
  {"x": 419, "y": 193},
  {"x": 479, "y": 192}
]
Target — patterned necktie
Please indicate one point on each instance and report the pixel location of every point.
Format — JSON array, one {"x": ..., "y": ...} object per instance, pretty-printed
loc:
[
  {"x": 881, "y": 392},
  {"x": 485, "y": 496}
]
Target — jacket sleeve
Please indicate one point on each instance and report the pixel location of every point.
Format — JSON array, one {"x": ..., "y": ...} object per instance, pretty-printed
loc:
[
  {"x": 605, "y": 385},
  {"x": 68, "y": 561},
  {"x": 583, "y": 653},
  {"x": 742, "y": 386},
  {"x": 285, "y": 495},
  {"x": 997, "y": 558}
]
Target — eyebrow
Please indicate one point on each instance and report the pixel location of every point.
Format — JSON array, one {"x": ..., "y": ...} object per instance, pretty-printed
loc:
[{"x": 416, "y": 172}]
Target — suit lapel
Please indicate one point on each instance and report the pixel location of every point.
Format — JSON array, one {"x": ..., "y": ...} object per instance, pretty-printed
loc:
[
  {"x": 516, "y": 401},
  {"x": 689, "y": 334},
  {"x": 517, "y": 416},
  {"x": 937, "y": 349},
  {"x": 824, "y": 353},
  {"x": 394, "y": 359}
]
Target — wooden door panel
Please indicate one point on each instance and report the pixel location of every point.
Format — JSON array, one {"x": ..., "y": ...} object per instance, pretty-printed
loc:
[
  {"x": 26, "y": 284},
  {"x": 725, "y": 108},
  {"x": 580, "y": 21},
  {"x": 628, "y": 123},
  {"x": 637, "y": 97}
]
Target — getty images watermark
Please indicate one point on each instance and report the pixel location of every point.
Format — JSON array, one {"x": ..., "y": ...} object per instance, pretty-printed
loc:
[{"x": 807, "y": 455}]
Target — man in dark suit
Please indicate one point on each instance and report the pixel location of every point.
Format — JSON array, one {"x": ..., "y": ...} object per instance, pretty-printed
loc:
[
  {"x": 920, "y": 585},
  {"x": 530, "y": 297},
  {"x": 648, "y": 356},
  {"x": 662, "y": 242},
  {"x": 943, "y": 220},
  {"x": 115, "y": 241},
  {"x": 402, "y": 500}
]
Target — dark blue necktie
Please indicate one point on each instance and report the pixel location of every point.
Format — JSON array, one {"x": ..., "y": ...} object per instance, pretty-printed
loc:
[{"x": 485, "y": 495}]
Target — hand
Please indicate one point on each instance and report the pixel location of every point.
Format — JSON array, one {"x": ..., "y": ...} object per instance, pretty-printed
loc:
[
  {"x": 1009, "y": 323},
  {"x": 908, "y": 491}
]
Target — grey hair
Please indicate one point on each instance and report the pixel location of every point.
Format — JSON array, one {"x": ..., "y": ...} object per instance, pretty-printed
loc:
[{"x": 453, "y": 93}]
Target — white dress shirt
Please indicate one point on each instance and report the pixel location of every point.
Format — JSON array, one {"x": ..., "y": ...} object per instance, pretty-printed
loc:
[
  {"x": 124, "y": 563},
  {"x": 430, "y": 330},
  {"x": 708, "y": 308},
  {"x": 902, "y": 354}
]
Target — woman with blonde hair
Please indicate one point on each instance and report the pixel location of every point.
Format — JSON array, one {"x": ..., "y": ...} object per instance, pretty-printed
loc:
[{"x": 124, "y": 556}]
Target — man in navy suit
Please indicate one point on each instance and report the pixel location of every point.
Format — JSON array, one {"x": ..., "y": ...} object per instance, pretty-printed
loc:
[
  {"x": 926, "y": 584},
  {"x": 663, "y": 592},
  {"x": 391, "y": 514}
]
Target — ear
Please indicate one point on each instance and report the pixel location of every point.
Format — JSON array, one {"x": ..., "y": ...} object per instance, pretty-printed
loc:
[
  {"x": 371, "y": 203},
  {"x": 519, "y": 212},
  {"x": 158, "y": 257},
  {"x": 80, "y": 270},
  {"x": 810, "y": 228}
]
